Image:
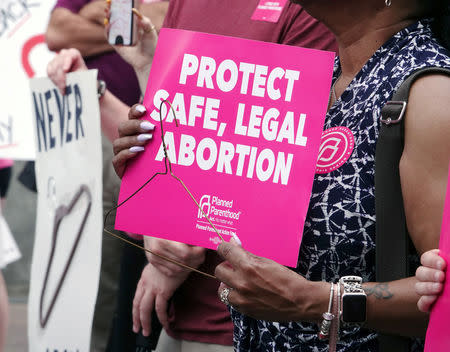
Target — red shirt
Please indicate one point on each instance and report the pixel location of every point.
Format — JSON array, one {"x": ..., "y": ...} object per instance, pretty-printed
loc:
[{"x": 196, "y": 314}]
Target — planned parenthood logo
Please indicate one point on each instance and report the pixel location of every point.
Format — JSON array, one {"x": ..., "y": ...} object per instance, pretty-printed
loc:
[{"x": 335, "y": 149}]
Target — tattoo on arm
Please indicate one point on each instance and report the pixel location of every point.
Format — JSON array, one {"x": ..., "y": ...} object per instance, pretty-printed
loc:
[{"x": 379, "y": 291}]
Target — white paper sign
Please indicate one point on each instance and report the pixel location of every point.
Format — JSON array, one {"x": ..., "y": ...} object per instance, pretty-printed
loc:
[
  {"x": 24, "y": 55},
  {"x": 67, "y": 249},
  {"x": 9, "y": 252}
]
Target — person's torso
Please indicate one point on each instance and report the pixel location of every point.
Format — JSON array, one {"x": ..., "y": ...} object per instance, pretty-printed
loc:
[{"x": 339, "y": 233}]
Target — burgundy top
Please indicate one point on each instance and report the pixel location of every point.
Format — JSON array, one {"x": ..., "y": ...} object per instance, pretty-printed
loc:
[
  {"x": 196, "y": 314},
  {"x": 119, "y": 76}
]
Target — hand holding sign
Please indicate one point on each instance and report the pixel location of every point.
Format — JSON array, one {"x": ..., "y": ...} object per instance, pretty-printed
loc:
[
  {"x": 245, "y": 147},
  {"x": 63, "y": 157},
  {"x": 133, "y": 135},
  {"x": 430, "y": 276},
  {"x": 437, "y": 339},
  {"x": 266, "y": 290},
  {"x": 67, "y": 60}
]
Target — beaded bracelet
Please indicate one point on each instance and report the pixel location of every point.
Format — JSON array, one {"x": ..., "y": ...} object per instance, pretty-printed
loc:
[
  {"x": 328, "y": 317},
  {"x": 336, "y": 311}
]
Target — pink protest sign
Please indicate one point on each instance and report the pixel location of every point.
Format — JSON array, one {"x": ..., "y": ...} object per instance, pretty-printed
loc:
[
  {"x": 437, "y": 339},
  {"x": 250, "y": 119},
  {"x": 268, "y": 10}
]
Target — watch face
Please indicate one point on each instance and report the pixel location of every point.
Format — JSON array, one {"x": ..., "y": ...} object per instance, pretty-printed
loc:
[{"x": 354, "y": 308}]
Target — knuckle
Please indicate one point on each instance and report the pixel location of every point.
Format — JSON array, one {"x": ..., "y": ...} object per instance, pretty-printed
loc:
[
  {"x": 155, "y": 255},
  {"x": 158, "y": 308},
  {"x": 429, "y": 287},
  {"x": 186, "y": 257},
  {"x": 116, "y": 161},
  {"x": 246, "y": 266},
  {"x": 225, "y": 251},
  {"x": 420, "y": 289},
  {"x": 118, "y": 146},
  {"x": 243, "y": 287},
  {"x": 122, "y": 127},
  {"x": 175, "y": 271},
  {"x": 425, "y": 258},
  {"x": 417, "y": 287},
  {"x": 419, "y": 271},
  {"x": 199, "y": 253},
  {"x": 218, "y": 272}
]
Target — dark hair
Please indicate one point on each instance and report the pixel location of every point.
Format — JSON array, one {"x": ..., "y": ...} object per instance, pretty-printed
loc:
[{"x": 441, "y": 26}]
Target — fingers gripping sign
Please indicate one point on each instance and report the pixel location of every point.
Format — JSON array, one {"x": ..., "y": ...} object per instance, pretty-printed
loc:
[
  {"x": 67, "y": 60},
  {"x": 263, "y": 289},
  {"x": 430, "y": 278},
  {"x": 134, "y": 134}
]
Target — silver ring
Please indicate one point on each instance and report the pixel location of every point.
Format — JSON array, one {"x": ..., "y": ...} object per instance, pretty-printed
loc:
[{"x": 224, "y": 295}]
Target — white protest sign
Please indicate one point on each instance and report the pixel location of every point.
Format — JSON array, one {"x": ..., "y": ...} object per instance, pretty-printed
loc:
[
  {"x": 9, "y": 252},
  {"x": 67, "y": 248},
  {"x": 22, "y": 27}
]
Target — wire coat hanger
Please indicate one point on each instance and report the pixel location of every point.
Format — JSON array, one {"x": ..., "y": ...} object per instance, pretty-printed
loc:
[
  {"x": 168, "y": 171},
  {"x": 60, "y": 213}
]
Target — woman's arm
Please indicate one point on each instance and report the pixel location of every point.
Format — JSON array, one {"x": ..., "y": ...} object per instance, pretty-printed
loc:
[
  {"x": 424, "y": 174},
  {"x": 425, "y": 160},
  {"x": 392, "y": 307},
  {"x": 266, "y": 290}
]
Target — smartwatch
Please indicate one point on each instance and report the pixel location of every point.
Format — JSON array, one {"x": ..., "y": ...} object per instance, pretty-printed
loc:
[
  {"x": 354, "y": 300},
  {"x": 101, "y": 88}
]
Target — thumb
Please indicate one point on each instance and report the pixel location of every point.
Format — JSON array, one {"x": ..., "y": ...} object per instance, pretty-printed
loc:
[{"x": 235, "y": 240}]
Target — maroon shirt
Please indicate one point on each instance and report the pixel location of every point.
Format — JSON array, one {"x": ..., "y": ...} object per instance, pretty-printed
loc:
[
  {"x": 119, "y": 76},
  {"x": 196, "y": 314}
]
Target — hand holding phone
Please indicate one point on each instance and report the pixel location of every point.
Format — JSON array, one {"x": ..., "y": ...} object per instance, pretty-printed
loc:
[{"x": 122, "y": 26}]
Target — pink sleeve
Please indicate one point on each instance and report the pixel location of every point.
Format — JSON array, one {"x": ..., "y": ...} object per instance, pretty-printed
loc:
[
  {"x": 135, "y": 236},
  {"x": 149, "y": 1},
  {"x": 4, "y": 163}
]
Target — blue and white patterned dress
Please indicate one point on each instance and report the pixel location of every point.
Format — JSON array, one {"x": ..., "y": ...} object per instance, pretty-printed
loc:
[{"x": 339, "y": 235}]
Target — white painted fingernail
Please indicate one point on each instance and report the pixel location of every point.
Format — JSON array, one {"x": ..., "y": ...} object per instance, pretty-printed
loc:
[
  {"x": 147, "y": 126},
  {"x": 140, "y": 108},
  {"x": 144, "y": 137},
  {"x": 237, "y": 239},
  {"x": 136, "y": 149}
]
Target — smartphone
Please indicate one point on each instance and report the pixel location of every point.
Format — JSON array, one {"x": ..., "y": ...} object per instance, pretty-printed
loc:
[{"x": 121, "y": 30}]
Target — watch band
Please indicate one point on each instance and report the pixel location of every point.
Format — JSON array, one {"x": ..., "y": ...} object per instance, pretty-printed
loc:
[
  {"x": 334, "y": 331},
  {"x": 352, "y": 284},
  {"x": 101, "y": 88},
  {"x": 354, "y": 301}
]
